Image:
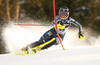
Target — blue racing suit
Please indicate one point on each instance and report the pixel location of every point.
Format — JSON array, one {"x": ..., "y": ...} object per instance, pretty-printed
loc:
[
  {"x": 47, "y": 36},
  {"x": 52, "y": 32}
]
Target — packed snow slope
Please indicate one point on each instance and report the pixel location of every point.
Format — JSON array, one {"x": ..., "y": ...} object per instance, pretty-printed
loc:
[
  {"x": 75, "y": 56},
  {"x": 77, "y": 52}
]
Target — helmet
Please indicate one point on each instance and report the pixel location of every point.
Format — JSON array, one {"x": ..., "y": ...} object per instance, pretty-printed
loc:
[{"x": 64, "y": 11}]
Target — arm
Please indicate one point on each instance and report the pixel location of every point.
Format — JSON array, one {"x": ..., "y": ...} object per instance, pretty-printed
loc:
[{"x": 77, "y": 24}]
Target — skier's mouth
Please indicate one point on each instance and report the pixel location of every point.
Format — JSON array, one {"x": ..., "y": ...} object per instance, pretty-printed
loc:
[{"x": 62, "y": 16}]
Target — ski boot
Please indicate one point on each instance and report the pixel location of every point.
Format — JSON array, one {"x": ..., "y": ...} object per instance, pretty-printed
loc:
[
  {"x": 36, "y": 50},
  {"x": 25, "y": 50}
]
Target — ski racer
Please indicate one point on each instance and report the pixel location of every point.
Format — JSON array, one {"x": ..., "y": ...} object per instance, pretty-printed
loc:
[{"x": 50, "y": 37}]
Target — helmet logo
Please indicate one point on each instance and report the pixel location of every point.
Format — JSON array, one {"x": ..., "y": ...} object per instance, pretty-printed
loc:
[{"x": 67, "y": 10}]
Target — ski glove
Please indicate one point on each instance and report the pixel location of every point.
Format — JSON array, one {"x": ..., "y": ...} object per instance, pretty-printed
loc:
[{"x": 81, "y": 36}]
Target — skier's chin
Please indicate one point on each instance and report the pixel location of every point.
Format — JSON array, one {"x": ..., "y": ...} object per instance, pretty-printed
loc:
[{"x": 63, "y": 17}]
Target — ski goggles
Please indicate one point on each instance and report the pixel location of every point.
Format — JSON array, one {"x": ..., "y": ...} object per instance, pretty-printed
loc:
[{"x": 64, "y": 13}]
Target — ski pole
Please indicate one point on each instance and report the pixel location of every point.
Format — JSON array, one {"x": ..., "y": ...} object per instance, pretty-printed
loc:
[{"x": 90, "y": 43}]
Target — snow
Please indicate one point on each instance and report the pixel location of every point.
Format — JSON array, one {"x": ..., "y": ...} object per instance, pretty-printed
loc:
[
  {"x": 77, "y": 52},
  {"x": 74, "y": 56}
]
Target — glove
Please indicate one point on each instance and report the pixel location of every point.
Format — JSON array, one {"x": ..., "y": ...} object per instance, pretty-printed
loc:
[{"x": 81, "y": 36}]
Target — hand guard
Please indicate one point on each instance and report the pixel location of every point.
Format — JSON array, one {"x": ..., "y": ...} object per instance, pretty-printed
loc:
[
  {"x": 81, "y": 36},
  {"x": 60, "y": 26}
]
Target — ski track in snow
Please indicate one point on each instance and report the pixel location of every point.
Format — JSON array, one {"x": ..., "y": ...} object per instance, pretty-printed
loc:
[{"x": 77, "y": 52}]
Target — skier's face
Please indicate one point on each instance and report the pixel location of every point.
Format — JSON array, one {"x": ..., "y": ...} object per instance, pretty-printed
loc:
[{"x": 63, "y": 17}]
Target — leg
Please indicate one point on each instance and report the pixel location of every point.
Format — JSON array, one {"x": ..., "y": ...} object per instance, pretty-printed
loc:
[
  {"x": 50, "y": 43},
  {"x": 26, "y": 51},
  {"x": 37, "y": 43}
]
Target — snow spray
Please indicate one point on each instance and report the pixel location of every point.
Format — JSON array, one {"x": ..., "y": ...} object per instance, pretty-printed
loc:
[{"x": 15, "y": 37}]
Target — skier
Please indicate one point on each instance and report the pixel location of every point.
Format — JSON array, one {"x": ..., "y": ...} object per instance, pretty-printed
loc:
[{"x": 50, "y": 37}]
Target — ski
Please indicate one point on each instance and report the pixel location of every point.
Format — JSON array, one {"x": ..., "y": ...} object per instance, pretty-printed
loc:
[{"x": 34, "y": 49}]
